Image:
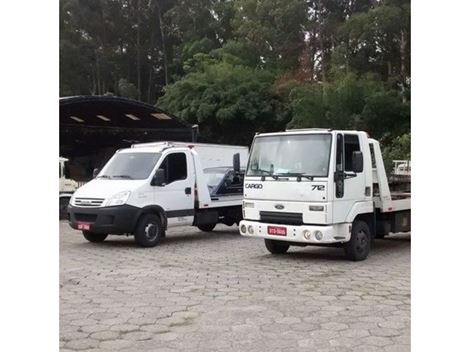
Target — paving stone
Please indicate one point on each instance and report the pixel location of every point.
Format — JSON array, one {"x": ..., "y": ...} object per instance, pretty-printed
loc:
[
  {"x": 124, "y": 327},
  {"x": 105, "y": 335},
  {"x": 220, "y": 291},
  {"x": 81, "y": 344},
  {"x": 115, "y": 345}
]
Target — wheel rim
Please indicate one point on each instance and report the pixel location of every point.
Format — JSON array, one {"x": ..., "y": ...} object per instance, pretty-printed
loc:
[
  {"x": 151, "y": 231},
  {"x": 361, "y": 241}
]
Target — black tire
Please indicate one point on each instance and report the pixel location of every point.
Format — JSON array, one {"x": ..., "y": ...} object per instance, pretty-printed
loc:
[
  {"x": 149, "y": 231},
  {"x": 276, "y": 247},
  {"x": 358, "y": 247},
  {"x": 94, "y": 237},
  {"x": 206, "y": 227},
  {"x": 63, "y": 204}
]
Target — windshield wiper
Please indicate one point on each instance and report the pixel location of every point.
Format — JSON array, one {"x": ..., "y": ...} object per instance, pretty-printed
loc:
[
  {"x": 299, "y": 175},
  {"x": 263, "y": 171},
  {"x": 103, "y": 176},
  {"x": 123, "y": 176}
]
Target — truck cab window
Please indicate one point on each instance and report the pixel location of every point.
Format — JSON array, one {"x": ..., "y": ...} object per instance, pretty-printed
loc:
[
  {"x": 372, "y": 155},
  {"x": 339, "y": 153},
  {"x": 175, "y": 167},
  {"x": 351, "y": 144}
]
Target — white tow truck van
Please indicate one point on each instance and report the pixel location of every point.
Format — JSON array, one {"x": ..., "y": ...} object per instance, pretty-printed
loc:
[
  {"x": 144, "y": 189},
  {"x": 320, "y": 187}
]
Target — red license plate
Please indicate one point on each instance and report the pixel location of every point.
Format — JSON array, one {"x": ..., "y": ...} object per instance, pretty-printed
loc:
[
  {"x": 83, "y": 226},
  {"x": 277, "y": 230}
]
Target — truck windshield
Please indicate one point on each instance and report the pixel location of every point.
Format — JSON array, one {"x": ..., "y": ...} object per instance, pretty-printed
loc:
[
  {"x": 132, "y": 166},
  {"x": 290, "y": 155}
]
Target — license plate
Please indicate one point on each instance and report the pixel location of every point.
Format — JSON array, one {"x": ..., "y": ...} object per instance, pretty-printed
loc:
[
  {"x": 83, "y": 226},
  {"x": 277, "y": 230}
]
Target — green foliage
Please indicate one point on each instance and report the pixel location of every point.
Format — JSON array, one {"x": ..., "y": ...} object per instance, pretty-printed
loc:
[
  {"x": 377, "y": 41},
  {"x": 350, "y": 102},
  {"x": 273, "y": 28},
  {"x": 229, "y": 101},
  {"x": 398, "y": 149},
  {"x": 237, "y": 67},
  {"x": 127, "y": 89}
]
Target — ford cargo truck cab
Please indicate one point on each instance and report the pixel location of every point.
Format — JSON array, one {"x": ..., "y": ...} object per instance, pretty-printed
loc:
[
  {"x": 144, "y": 189},
  {"x": 320, "y": 187}
]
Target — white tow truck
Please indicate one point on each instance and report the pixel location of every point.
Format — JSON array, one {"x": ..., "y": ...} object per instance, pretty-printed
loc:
[
  {"x": 144, "y": 189},
  {"x": 320, "y": 187}
]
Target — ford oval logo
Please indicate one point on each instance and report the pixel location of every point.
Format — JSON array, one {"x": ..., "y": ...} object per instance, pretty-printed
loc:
[{"x": 279, "y": 206}]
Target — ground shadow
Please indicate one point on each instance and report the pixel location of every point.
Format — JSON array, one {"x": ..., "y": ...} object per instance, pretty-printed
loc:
[
  {"x": 388, "y": 245},
  {"x": 170, "y": 239}
]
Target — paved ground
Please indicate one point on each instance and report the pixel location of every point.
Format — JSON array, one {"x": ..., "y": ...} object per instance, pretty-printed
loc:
[{"x": 224, "y": 292}]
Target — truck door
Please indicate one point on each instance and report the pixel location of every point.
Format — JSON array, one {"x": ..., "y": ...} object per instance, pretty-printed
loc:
[
  {"x": 176, "y": 196},
  {"x": 351, "y": 188}
]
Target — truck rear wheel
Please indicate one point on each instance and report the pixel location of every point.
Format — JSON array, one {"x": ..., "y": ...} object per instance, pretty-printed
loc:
[
  {"x": 206, "y": 227},
  {"x": 358, "y": 247},
  {"x": 149, "y": 231},
  {"x": 94, "y": 237},
  {"x": 276, "y": 247}
]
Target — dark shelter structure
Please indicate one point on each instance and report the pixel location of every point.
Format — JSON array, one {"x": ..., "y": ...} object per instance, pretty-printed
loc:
[{"x": 92, "y": 128}]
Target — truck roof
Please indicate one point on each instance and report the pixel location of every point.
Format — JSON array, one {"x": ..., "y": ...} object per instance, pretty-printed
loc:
[
  {"x": 307, "y": 131},
  {"x": 157, "y": 147},
  {"x": 166, "y": 144}
]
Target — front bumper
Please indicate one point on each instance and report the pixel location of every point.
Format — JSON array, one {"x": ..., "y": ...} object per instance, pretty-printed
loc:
[
  {"x": 337, "y": 233},
  {"x": 110, "y": 220}
]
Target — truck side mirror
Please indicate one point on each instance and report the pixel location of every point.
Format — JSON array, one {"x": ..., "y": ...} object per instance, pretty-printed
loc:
[
  {"x": 236, "y": 162},
  {"x": 96, "y": 171},
  {"x": 357, "y": 162},
  {"x": 159, "y": 178}
]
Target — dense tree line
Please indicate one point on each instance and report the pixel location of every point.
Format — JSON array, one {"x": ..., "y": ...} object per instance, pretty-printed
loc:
[{"x": 240, "y": 66}]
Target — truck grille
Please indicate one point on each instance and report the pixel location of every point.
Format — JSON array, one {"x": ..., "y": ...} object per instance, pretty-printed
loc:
[
  {"x": 277, "y": 217},
  {"x": 88, "y": 202}
]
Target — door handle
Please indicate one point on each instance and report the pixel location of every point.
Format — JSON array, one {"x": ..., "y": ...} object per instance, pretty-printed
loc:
[{"x": 187, "y": 190}]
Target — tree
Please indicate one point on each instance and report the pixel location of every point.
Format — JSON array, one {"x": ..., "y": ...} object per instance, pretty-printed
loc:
[
  {"x": 241, "y": 66},
  {"x": 398, "y": 149},
  {"x": 378, "y": 41},
  {"x": 274, "y": 29},
  {"x": 350, "y": 102},
  {"x": 229, "y": 101}
]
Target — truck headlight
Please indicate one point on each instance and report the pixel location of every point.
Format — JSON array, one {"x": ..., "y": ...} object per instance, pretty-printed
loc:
[
  {"x": 318, "y": 235},
  {"x": 118, "y": 199},
  {"x": 307, "y": 234},
  {"x": 248, "y": 204}
]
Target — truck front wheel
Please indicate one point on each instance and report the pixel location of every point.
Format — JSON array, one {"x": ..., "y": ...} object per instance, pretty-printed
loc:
[
  {"x": 149, "y": 231},
  {"x": 94, "y": 237},
  {"x": 276, "y": 247},
  {"x": 358, "y": 246}
]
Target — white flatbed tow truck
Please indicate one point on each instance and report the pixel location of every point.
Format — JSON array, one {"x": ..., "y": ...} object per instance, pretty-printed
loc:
[
  {"x": 320, "y": 187},
  {"x": 144, "y": 189}
]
